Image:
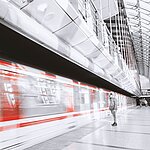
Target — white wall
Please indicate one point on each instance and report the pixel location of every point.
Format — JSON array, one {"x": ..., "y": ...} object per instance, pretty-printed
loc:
[
  {"x": 145, "y": 82},
  {"x": 109, "y": 8}
]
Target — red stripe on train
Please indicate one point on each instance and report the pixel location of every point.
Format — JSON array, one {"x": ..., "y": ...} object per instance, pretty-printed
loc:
[
  {"x": 20, "y": 125},
  {"x": 41, "y": 121},
  {"x": 34, "y": 122}
]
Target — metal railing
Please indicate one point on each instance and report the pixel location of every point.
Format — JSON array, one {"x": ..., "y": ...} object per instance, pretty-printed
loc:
[
  {"x": 82, "y": 8},
  {"x": 88, "y": 10},
  {"x": 94, "y": 20}
]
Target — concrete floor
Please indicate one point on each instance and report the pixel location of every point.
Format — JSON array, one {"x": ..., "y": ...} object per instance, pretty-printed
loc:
[{"x": 132, "y": 133}]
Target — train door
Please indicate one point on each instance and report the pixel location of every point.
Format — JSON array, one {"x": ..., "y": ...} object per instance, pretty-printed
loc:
[
  {"x": 69, "y": 97},
  {"x": 94, "y": 99},
  {"x": 9, "y": 96},
  {"x": 66, "y": 94},
  {"x": 94, "y": 102},
  {"x": 84, "y": 98},
  {"x": 103, "y": 103},
  {"x": 76, "y": 95},
  {"x": 0, "y": 102}
]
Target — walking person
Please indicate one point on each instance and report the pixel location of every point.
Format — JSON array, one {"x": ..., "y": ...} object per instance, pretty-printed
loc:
[{"x": 113, "y": 107}]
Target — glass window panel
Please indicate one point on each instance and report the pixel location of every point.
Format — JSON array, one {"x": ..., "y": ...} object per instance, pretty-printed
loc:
[
  {"x": 144, "y": 5},
  {"x": 144, "y": 25},
  {"x": 133, "y": 2},
  {"x": 145, "y": 21},
  {"x": 145, "y": 29},
  {"x": 135, "y": 21},
  {"x": 147, "y": 1},
  {"x": 84, "y": 98},
  {"x": 132, "y": 12},
  {"x": 145, "y": 16},
  {"x": 144, "y": 11}
]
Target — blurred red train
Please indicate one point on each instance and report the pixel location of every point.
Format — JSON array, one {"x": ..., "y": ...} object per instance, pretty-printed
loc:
[{"x": 36, "y": 105}]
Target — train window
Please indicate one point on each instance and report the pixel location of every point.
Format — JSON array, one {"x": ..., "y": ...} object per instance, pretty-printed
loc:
[
  {"x": 0, "y": 106},
  {"x": 11, "y": 99},
  {"x": 43, "y": 91},
  {"x": 40, "y": 96},
  {"x": 76, "y": 91},
  {"x": 8, "y": 96},
  {"x": 103, "y": 99},
  {"x": 118, "y": 97},
  {"x": 8, "y": 87},
  {"x": 66, "y": 96},
  {"x": 49, "y": 100},
  {"x": 97, "y": 96},
  {"x": 94, "y": 96},
  {"x": 106, "y": 99},
  {"x": 84, "y": 98}
]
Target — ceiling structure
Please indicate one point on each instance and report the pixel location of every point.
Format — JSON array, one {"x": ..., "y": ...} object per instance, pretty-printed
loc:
[
  {"x": 130, "y": 29},
  {"x": 138, "y": 16},
  {"x": 81, "y": 45},
  {"x": 120, "y": 31}
]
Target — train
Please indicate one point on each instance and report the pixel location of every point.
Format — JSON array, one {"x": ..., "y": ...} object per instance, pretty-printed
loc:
[{"x": 36, "y": 105}]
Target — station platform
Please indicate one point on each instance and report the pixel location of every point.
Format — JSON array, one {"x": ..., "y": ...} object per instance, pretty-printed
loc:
[{"x": 132, "y": 133}]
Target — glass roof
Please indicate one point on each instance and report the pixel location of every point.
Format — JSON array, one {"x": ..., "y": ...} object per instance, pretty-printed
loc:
[{"x": 138, "y": 13}]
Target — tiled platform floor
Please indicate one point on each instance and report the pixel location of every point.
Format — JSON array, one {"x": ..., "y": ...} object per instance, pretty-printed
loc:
[{"x": 132, "y": 133}]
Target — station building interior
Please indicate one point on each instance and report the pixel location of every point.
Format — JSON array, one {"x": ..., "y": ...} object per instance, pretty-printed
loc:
[{"x": 59, "y": 62}]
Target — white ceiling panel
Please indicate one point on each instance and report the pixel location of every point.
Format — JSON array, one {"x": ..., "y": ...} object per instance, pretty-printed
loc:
[
  {"x": 131, "y": 1},
  {"x": 101, "y": 61},
  {"x": 96, "y": 42},
  {"x": 20, "y": 3},
  {"x": 83, "y": 25},
  {"x": 68, "y": 8},
  {"x": 144, "y": 5},
  {"x": 144, "y": 11},
  {"x": 87, "y": 48},
  {"x": 72, "y": 34},
  {"x": 108, "y": 8},
  {"x": 3, "y": 9},
  {"x": 112, "y": 69},
  {"x": 146, "y": 17},
  {"x": 98, "y": 70},
  {"x": 147, "y": 1},
  {"x": 79, "y": 58},
  {"x": 48, "y": 13}
]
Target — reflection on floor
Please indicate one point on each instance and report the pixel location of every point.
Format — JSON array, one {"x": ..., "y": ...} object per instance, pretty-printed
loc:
[{"x": 132, "y": 133}]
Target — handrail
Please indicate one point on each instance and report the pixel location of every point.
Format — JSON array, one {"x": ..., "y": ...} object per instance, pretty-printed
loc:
[{"x": 88, "y": 9}]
